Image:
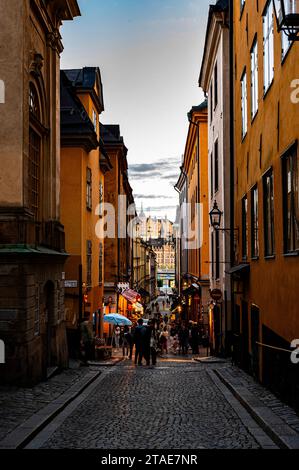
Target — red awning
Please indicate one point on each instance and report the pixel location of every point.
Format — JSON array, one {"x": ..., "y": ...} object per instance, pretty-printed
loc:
[{"x": 131, "y": 296}]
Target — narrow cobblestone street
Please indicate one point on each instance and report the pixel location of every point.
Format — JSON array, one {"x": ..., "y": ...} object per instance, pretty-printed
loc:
[{"x": 176, "y": 405}]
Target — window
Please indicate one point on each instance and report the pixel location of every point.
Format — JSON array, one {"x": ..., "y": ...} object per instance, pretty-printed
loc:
[
  {"x": 254, "y": 80},
  {"x": 212, "y": 175},
  {"x": 244, "y": 103},
  {"x": 101, "y": 199},
  {"x": 34, "y": 107},
  {"x": 268, "y": 183},
  {"x": 37, "y": 312},
  {"x": 244, "y": 228},
  {"x": 95, "y": 120},
  {"x": 213, "y": 255},
  {"x": 211, "y": 102},
  {"x": 254, "y": 223},
  {"x": 215, "y": 86},
  {"x": 89, "y": 264},
  {"x": 34, "y": 172},
  {"x": 268, "y": 28},
  {"x": 216, "y": 166},
  {"x": 101, "y": 264},
  {"x": 285, "y": 44},
  {"x": 35, "y": 147},
  {"x": 217, "y": 247},
  {"x": 291, "y": 200},
  {"x": 242, "y": 4},
  {"x": 88, "y": 189}
]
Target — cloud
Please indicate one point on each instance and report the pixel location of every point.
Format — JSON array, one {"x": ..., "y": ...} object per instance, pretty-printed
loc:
[
  {"x": 160, "y": 208},
  {"x": 163, "y": 169},
  {"x": 151, "y": 196},
  {"x": 173, "y": 176}
]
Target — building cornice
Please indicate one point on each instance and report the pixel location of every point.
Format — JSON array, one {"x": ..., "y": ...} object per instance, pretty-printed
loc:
[{"x": 217, "y": 22}]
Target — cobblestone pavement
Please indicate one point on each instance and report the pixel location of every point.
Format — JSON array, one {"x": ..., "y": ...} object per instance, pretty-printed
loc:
[
  {"x": 282, "y": 410},
  {"x": 19, "y": 404},
  {"x": 174, "y": 406}
]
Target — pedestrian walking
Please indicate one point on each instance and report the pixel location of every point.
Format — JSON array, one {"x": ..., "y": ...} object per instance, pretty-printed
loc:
[
  {"x": 128, "y": 343},
  {"x": 140, "y": 331},
  {"x": 117, "y": 337},
  {"x": 163, "y": 303},
  {"x": 184, "y": 339},
  {"x": 195, "y": 339},
  {"x": 153, "y": 343},
  {"x": 164, "y": 340}
]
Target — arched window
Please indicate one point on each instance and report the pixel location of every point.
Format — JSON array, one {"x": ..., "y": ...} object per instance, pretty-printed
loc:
[
  {"x": 34, "y": 106},
  {"x": 35, "y": 139}
]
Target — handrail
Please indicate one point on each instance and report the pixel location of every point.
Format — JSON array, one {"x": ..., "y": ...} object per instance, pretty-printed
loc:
[{"x": 273, "y": 347}]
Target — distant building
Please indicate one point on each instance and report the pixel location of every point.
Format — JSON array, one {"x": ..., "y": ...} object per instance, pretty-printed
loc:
[{"x": 159, "y": 235}]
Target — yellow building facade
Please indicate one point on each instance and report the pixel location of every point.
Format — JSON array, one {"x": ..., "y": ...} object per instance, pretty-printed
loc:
[{"x": 266, "y": 196}]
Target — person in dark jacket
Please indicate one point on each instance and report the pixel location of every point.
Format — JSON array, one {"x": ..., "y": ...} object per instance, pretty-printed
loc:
[
  {"x": 140, "y": 332},
  {"x": 195, "y": 339},
  {"x": 128, "y": 342},
  {"x": 184, "y": 339}
]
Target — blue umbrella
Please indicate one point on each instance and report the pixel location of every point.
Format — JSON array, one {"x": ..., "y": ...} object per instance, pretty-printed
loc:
[{"x": 117, "y": 319}]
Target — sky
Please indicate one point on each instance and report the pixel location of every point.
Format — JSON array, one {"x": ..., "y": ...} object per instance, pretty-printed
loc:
[{"x": 149, "y": 53}]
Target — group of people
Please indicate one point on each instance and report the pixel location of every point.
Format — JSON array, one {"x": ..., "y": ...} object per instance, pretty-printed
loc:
[{"x": 157, "y": 338}]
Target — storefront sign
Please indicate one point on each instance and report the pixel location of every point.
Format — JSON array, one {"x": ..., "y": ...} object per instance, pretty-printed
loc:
[
  {"x": 122, "y": 286},
  {"x": 216, "y": 294},
  {"x": 71, "y": 284}
]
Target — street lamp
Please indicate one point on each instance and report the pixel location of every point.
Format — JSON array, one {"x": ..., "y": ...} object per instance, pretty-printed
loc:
[
  {"x": 215, "y": 219},
  {"x": 215, "y": 216},
  {"x": 287, "y": 16}
]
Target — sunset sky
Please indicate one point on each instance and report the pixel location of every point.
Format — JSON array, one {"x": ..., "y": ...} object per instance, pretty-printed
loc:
[{"x": 149, "y": 53}]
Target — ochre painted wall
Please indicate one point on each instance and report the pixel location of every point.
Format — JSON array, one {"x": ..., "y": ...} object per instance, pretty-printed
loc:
[{"x": 273, "y": 283}]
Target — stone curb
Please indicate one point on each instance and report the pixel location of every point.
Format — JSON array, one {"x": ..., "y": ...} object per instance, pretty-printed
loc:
[
  {"x": 282, "y": 434},
  {"x": 25, "y": 432},
  {"x": 255, "y": 430}
]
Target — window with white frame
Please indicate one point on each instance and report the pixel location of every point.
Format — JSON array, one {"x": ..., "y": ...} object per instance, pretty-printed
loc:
[
  {"x": 242, "y": 4},
  {"x": 254, "y": 80},
  {"x": 268, "y": 28},
  {"x": 244, "y": 103}
]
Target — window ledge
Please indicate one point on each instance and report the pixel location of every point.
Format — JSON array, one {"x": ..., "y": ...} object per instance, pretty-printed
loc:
[
  {"x": 291, "y": 254},
  {"x": 270, "y": 257},
  {"x": 255, "y": 258}
]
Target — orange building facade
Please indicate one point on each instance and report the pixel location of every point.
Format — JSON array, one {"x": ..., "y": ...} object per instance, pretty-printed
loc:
[{"x": 266, "y": 317}]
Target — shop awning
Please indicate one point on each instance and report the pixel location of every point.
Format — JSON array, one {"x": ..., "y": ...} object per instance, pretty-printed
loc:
[
  {"x": 131, "y": 296},
  {"x": 241, "y": 269}
]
